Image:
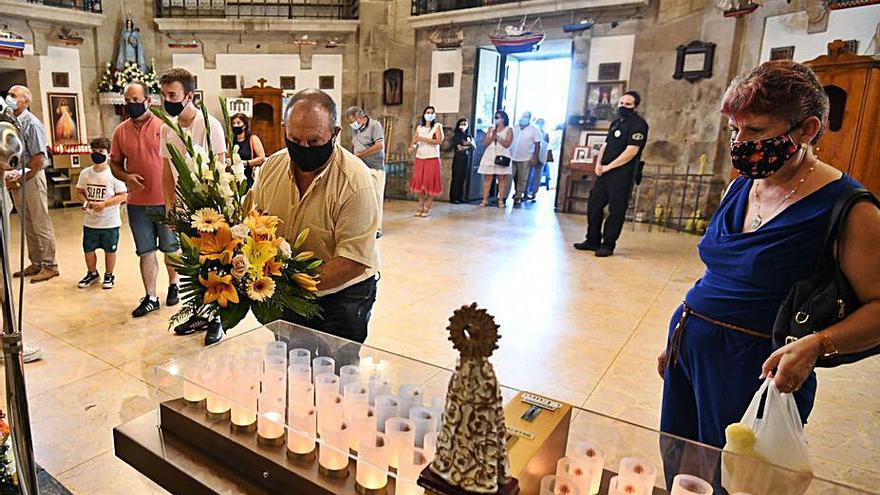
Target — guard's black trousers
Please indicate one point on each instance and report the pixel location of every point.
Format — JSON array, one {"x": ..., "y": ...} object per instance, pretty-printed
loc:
[{"x": 612, "y": 189}]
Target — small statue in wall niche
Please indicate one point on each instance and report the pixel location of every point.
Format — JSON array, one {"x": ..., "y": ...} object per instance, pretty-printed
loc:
[
  {"x": 131, "y": 47},
  {"x": 472, "y": 445}
]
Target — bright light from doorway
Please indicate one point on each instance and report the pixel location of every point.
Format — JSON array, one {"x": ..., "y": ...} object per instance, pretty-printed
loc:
[{"x": 543, "y": 89}]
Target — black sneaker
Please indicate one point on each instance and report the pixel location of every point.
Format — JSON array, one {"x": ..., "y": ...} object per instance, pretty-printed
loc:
[
  {"x": 173, "y": 296},
  {"x": 585, "y": 246},
  {"x": 89, "y": 280},
  {"x": 604, "y": 252},
  {"x": 109, "y": 280},
  {"x": 147, "y": 305}
]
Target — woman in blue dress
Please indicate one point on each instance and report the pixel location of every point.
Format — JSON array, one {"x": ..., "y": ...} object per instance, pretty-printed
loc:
[{"x": 766, "y": 235}]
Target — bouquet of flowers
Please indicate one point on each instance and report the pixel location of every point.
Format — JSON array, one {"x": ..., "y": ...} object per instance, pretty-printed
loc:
[
  {"x": 232, "y": 260},
  {"x": 8, "y": 476},
  {"x": 114, "y": 80}
]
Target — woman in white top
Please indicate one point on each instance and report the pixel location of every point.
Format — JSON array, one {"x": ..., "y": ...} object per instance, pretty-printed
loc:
[
  {"x": 426, "y": 168},
  {"x": 496, "y": 157}
]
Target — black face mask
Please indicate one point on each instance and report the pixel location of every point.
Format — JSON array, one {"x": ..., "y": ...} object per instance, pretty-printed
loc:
[
  {"x": 237, "y": 130},
  {"x": 173, "y": 109},
  {"x": 135, "y": 110},
  {"x": 98, "y": 158},
  {"x": 624, "y": 112},
  {"x": 309, "y": 159}
]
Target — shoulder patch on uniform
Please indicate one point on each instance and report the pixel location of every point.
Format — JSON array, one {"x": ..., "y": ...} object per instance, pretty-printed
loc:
[{"x": 638, "y": 136}]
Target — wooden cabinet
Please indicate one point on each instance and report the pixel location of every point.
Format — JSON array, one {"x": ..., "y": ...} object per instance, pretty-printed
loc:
[
  {"x": 852, "y": 139},
  {"x": 266, "y": 122}
]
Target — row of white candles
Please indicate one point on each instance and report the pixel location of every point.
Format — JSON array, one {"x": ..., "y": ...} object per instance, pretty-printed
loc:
[
  {"x": 581, "y": 473},
  {"x": 343, "y": 411}
]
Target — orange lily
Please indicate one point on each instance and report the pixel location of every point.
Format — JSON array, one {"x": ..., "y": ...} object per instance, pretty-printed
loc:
[
  {"x": 306, "y": 281},
  {"x": 219, "y": 245},
  {"x": 220, "y": 289},
  {"x": 272, "y": 268},
  {"x": 262, "y": 226}
]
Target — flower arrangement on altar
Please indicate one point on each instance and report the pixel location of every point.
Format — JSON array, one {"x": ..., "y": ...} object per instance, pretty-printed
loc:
[
  {"x": 114, "y": 80},
  {"x": 232, "y": 260},
  {"x": 8, "y": 476}
]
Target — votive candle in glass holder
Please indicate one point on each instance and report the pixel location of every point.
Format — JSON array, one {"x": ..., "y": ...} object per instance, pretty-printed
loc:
[
  {"x": 409, "y": 396},
  {"x": 378, "y": 387},
  {"x": 331, "y": 412},
  {"x": 274, "y": 379},
  {"x": 619, "y": 485},
  {"x": 578, "y": 469},
  {"x": 349, "y": 374},
  {"x": 640, "y": 472},
  {"x": 431, "y": 445},
  {"x": 276, "y": 348},
  {"x": 299, "y": 356},
  {"x": 218, "y": 378},
  {"x": 363, "y": 423},
  {"x": 596, "y": 459},
  {"x": 300, "y": 397},
  {"x": 300, "y": 374},
  {"x": 243, "y": 416},
  {"x": 685, "y": 484},
  {"x": 245, "y": 388},
  {"x": 326, "y": 386},
  {"x": 558, "y": 484},
  {"x": 333, "y": 451},
  {"x": 386, "y": 407},
  {"x": 438, "y": 405},
  {"x": 411, "y": 465},
  {"x": 301, "y": 433},
  {"x": 372, "y": 464},
  {"x": 371, "y": 367},
  {"x": 270, "y": 429},
  {"x": 424, "y": 421},
  {"x": 355, "y": 394},
  {"x": 400, "y": 433},
  {"x": 193, "y": 394},
  {"x": 323, "y": 364}
]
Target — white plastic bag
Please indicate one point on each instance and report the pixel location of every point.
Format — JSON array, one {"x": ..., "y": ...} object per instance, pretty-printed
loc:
[{"x": 778, "y": 440}]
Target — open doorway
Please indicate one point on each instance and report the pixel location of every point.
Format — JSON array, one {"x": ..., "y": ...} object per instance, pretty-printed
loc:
[
  {"x": 10, "y": 78},
  {"x": 536, "y": 82}
]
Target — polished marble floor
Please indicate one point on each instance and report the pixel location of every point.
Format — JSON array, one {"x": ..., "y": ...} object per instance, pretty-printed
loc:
[{"x": 575, "y": 327}]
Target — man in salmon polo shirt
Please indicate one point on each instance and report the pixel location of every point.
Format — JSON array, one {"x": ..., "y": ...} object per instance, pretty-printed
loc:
[{"x": 135, "y": 159}]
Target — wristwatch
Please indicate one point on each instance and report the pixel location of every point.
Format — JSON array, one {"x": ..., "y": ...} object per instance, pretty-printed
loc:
[{"x": 827, "y": 345}]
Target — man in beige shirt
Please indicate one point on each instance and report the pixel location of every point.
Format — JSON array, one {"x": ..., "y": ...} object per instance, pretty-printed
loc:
[{"x": 315, "y": 183}]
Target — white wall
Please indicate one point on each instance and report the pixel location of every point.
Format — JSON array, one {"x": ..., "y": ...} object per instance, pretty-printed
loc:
[
  {"x": 259, "y": 66},
  {"x": 60, "y": 59},
  {"x": 610, "y": 49},
  {"x": 791, "y": 30},
  {"x": 446, "y": 100}
]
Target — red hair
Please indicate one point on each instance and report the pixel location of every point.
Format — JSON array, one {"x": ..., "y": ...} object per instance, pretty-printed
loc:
[{"x": 780, "y": 88}]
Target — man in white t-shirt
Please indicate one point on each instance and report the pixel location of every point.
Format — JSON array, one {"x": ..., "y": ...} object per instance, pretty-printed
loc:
[
  {"x": 526, "y": 147},
  {"x": 178, "y": 91},
  {"x": 101, "y": 194}
]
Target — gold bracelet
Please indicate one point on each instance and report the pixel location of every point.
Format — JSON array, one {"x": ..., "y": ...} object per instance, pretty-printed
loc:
[{"x": 827, "y": 345}]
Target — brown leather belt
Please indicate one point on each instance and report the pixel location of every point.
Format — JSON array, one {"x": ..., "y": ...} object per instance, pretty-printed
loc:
[{"x": 673, "y": 349}]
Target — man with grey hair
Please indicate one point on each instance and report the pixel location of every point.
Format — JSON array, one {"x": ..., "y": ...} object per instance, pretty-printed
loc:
[
  {"x": 526, "y": 149},
  {"x": 315, "y": 183},
  {"x": 34, "y": 202},
  {"x": 368, "y": 140}
]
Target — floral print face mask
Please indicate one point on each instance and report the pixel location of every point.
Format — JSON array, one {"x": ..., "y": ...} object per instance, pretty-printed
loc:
[{"x": 762, "y": 158}]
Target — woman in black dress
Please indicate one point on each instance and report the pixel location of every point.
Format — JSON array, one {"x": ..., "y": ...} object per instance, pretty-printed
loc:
[
  {"x": 250, "y": 148},
  {"x": 461, "y": 162}
]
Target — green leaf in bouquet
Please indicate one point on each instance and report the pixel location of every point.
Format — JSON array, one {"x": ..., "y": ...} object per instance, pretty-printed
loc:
[
  {"x": 233, "y": 314},
  {"x": 242, "y": 188},
  {"x": 267, "y": 312},
  {"x": 315, "y": 264},
  {"x": 300, "y": 306}
]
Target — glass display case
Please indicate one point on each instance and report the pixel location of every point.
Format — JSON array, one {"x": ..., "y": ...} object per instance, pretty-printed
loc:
[{"x": 285, "y": 409}]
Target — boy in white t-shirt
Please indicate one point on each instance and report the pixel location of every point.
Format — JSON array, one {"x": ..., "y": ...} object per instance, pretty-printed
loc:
[{"x": 101, "y": 195}]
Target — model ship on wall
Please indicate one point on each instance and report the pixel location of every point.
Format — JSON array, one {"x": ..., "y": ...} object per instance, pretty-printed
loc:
[
  {"x": 517, "y": 39},
  {"x": 11, "y": 44}
]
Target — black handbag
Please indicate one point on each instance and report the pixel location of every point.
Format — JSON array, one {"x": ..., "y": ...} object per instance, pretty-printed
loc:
[
  {"x": 502, "y": 161},
  {"x": 826, "y": 297}
]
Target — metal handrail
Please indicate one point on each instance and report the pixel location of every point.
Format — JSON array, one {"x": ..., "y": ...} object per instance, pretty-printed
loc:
[
  {"x": 235, "y": 9},
  {"x": 421, "y": 7}
]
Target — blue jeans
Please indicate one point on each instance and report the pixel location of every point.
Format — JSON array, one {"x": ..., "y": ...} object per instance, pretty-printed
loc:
[{"x": 149, "y": 233}]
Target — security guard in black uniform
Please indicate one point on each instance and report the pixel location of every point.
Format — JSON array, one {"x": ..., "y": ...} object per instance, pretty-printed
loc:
[{"x": 618, "y": 160}]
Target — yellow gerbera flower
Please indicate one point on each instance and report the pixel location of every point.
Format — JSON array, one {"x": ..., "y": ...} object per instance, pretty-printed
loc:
[
  {"x": 219, "y": 288},
  {"x": 261, "y": 288},
  {"x": 207, "y": 220},
  {"x": 219, "y": 245}
]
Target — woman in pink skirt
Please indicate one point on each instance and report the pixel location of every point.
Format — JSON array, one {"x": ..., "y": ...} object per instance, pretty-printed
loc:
[{"x": 426, "y": 169}]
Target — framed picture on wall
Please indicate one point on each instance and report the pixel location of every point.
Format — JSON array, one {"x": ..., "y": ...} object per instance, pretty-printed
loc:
[
  {"x": 581, "y": 155},
  {"x": 392, "y": 87},
  {"x": 609, "y": 71},
  {"x": 594, "y": 143},
  {"x": 64, "y": 111},
  {"x": 602, "y": 99},
  {"x": 782, "y": 53}
]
